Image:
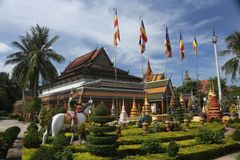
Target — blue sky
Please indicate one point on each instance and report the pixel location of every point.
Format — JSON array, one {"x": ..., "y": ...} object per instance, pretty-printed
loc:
[{"x": 84, "y": 25}]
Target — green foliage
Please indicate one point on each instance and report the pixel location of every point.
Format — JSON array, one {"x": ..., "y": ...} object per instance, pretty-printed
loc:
[
  {"x": 207, "y": 136},
  {"x": 144, "y": 118},
  {"x": 101, "y": 110},
  {"x": 60, "y": 141},
  {"x": 100, "y": 142},
  {"x": 235, "y": 120},
  {"x": 159, "y": 127},
  {"x": 152, "y": 146},
  {"x": 4, "y": 103},
  {"x": 43, "y": 152},
  {"x": 106, "y": 139},
  {"x": 236, "y": 135},
  {"x": 173, "y": 149},
  {"x": 227, "y": 102},
  {"x": 46, "y": 114},
  {"x": 175, "y": 126},
  {"x": 179, "y": 114},
  {"x": 11, "y": 134},
  {"x": 31, "y": 140},
  {"x": 20, "y": 118},
  {"x": 65, "y": 154},
  {"x": 231, "y": 67},
  {"x": 9, "y": 91},
  {"x": 4, "y": 146},
  {"x": 32, "y": 127}
]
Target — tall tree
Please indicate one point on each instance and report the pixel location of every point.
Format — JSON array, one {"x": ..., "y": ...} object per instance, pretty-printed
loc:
[
  {"x": 10, "y": 91},
  {"x": 232, "y": 66},
  {"x": 35, "y": 58}
]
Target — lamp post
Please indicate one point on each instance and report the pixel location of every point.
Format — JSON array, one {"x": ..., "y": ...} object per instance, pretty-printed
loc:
[{"x": 214, "y": 41}]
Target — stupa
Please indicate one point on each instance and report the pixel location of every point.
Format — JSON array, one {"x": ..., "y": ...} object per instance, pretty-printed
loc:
[
  {"x": 182, "y": 102},
  {"x": 113, "y": 110},
  {"x": 146, "y": 109},
  {"x": 134, "y": 112},
  {"x": 213, "y": 108},
  {"x": 123, "y": 116}
]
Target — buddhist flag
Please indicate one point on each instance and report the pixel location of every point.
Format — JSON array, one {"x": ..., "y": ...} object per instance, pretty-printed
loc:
[
  {"x": 167, "y": 45},
  {"x": 143, "y": 37},
  {"x": 116, "y": 37},
  {"x": 181, "y": 45},
  {"x": 195, "y": 44}
]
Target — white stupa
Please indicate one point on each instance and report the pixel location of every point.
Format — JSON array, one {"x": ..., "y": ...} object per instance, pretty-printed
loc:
[
  {"x": 113, "y": 110},
  {"x": 123, "y": 116}
]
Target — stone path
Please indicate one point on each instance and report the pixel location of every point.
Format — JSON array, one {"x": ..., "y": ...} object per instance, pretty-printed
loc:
[
  {"x": 14, "y": 153},
  {"x": 229, "y": 156}
]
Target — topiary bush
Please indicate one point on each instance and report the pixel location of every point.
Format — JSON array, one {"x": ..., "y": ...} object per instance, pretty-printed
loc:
[
  {"x": 175, "y": 126},
  {"x": 206, "y": 136},
  {"x": 11, "y": 134},
  {"x": 31, "y": 140},
  {"x": 179, "y": 114},
  {"x": 4, "y": 146},
  {"x": 152, "y": 146},
  {"x": 144, "y": 118},
  {"x": 236, "y": 135},
  {"x": 100, "y": 142},
  {"x": 32, "y": 127},
  {"x": 46, "y": 153},
  {"x": 159, "y": 127},
  {"x": 60, "y": 141},
  {"x": 173, "y": 149},
  {"x": 65, "y": 154}
]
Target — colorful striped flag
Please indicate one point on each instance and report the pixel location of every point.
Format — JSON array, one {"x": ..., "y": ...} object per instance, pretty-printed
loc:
[
  {"x": 181, "y": 45},
  {"x": 167, "y": 45},
  {"x": 195, "y": 44},
  {"x": 116, "y": 37},
  {"x": 143, "y": 37}
]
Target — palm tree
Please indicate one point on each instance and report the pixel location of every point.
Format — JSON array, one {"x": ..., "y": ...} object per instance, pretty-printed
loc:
[
  {"x": 232, "y": 66},
  {"x": 35, "y": 58}
]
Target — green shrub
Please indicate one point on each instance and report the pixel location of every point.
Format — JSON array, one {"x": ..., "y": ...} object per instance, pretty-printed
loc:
[
  {"x": 173, "y": 149},
  {"x": 46, "y": 153},
  {"x": 4, "y": 146},
  {"x": 212, "y": 120},
  {"x": 65, "y": 154},
  {"x": 100, "y": 142},
  {"x": 159, "y": 127},
  {"x": 144, "y": 118},
  {"x": 31, "y": 140},
  {"x": 101, "y": 110},
  {"x": 60, "y": 141},
  {"x": 32, "y": 127},
  {"x": 179, "y": 114},
  {"x": 20, "y": 118},
  {"x": 152, "y": 146},
  {"x": 207, "y": 136},
  {"x": 175, "y": 126},
  {"x": 236, "y": 135},
  {"x": 11, "y": 134}
]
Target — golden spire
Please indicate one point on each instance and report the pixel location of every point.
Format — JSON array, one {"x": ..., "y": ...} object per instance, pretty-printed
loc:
[{"x": 148, "y": 71}]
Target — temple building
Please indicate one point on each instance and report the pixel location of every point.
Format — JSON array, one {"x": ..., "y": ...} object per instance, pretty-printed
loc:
[
  {"x": 159, "y": 90},
  {"x": 92, "y": 75}
]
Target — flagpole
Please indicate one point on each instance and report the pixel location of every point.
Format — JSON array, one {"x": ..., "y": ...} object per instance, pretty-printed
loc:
[
  {"x": 181, "y": 62},
  {"x": 165, "y": 57},
  {"x": 115, "y": 72}
]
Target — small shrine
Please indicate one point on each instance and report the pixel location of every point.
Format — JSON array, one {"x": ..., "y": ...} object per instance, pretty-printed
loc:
[
  {"x": 123, "y": 116},
  {"x": 213, "y": 110},
  {"x": 134, "y": 112},
  {"x": 146, "y": 109}
]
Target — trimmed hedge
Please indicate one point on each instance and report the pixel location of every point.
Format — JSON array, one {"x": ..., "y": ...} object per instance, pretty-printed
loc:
[
  {"x": 100, "y": 119},
  {"x": 106, "y": 139},
  {"x": 100, "y": 129},
  {"x": 31, "y": 140},
  {"x": 209, "y": 151},
  {"x": 11, "y": 134},
  {"x": 101, "y": 142},
  {"x": 102, "y": 150}
]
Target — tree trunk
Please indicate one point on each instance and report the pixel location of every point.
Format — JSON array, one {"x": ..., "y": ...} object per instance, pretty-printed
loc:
[{"x": 35, "y": 95}]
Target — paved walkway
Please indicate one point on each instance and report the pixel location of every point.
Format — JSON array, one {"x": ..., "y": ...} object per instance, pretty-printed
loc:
[
  {"x": 229, "y": 156},
  {"x": 14, "y": 153}
]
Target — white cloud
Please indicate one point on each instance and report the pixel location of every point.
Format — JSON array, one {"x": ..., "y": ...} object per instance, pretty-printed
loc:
[{"x": 4, "y": 48}]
